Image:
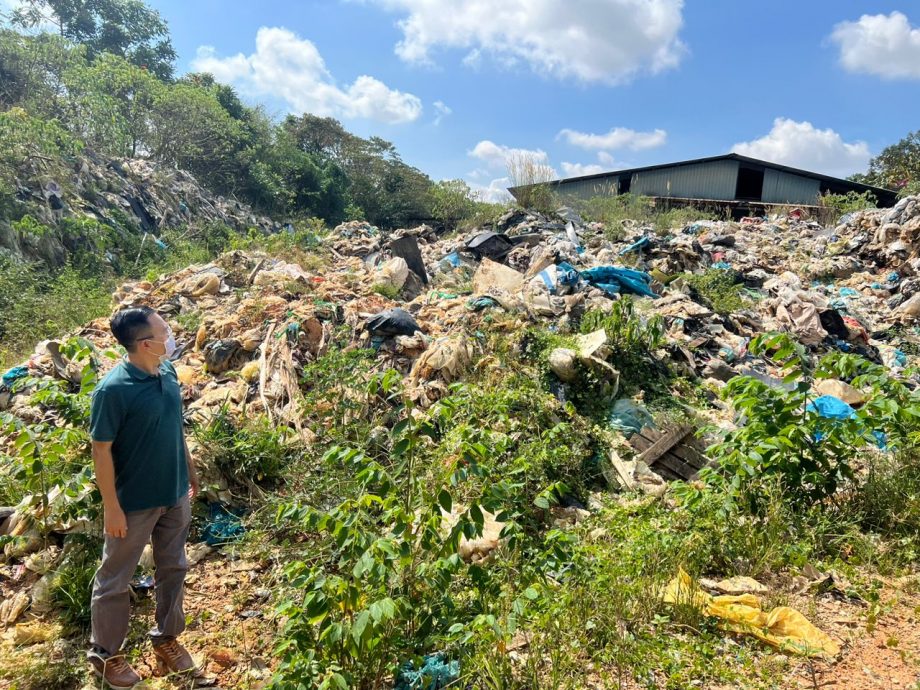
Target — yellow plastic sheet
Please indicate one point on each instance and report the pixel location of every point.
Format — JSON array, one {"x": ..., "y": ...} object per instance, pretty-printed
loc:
[{"x": 783, "y": 627}]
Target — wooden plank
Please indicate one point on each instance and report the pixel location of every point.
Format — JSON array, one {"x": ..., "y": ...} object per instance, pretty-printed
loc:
[
  {"x": 621, "y": 471},
  {"x": 663, "y": 444},
  {"x": 690, "y": 455},
  {"x": 640, "y": 443},
  {"x": 678, "y": 467}
]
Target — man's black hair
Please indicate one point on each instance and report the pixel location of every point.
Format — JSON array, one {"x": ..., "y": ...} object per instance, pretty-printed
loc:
[{"x": 130, "y": 324}]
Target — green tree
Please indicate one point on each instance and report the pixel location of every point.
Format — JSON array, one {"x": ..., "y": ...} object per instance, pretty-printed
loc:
[
  {"x": 451, "y": 201},
  {"x": 897, "y": 166},
  {"x": 128, "y": 28}
]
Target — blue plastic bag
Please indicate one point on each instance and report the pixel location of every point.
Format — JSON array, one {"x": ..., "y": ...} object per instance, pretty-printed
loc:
[{"x": 614, "y": 280}]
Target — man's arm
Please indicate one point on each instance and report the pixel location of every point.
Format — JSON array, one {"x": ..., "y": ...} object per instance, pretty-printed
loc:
[
  {"x": 192, "y": 471},
  {"x": 113, "y": 516}
]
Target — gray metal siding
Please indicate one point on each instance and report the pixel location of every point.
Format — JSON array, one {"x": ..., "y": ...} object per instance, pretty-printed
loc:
[
  {"x": 585, "y": 189},
  {"x": 714, "y": 180},
  {"x": 784, "y": 188}
]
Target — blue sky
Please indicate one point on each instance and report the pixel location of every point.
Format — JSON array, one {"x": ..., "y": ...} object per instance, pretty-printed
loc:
[{"x": 458, "y": 84}]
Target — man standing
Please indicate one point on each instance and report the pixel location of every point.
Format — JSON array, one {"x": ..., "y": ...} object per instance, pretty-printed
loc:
[{"x": 146, "y": 477}]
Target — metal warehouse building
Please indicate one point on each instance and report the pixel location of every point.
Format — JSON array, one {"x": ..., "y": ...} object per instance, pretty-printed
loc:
[{"x": 731, "y": 180}]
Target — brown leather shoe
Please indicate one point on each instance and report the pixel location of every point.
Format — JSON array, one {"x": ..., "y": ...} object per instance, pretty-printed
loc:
[
  {"x": 115, "y": 671},
  {"x": 172, "y": 657}
]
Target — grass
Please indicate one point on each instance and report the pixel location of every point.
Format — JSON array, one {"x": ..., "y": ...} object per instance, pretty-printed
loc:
[
  {"x": 719, "y": 289},
  {"x": 581, "y": 604},
  {"x": 624, "y": 213}
]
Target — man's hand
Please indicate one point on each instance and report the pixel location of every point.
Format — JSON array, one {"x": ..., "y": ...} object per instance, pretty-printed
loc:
[
  {"x": 194, "y": 486},
  {"x": 115, "y": 523}
]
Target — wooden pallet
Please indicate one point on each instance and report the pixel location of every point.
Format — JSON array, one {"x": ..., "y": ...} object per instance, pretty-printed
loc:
[{"x": 672, "y": 453}]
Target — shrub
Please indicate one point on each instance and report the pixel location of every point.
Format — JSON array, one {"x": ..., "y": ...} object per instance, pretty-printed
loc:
[
  {"x": 73, "y": 582},
  {"x": 720, "y": 289},
  {"x": 785, "y": 443},
  {"x": 251, "y": 451},
  {"x": 531, "y": 177},
  {"x": 836, "y": 205},
  {"x": 630, "y": 338}
]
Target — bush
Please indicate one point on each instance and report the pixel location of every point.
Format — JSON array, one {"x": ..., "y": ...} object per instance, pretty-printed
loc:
[
  {"x": 531, "y": 178},
  {"x": 623, "y": 213},
  {"x": 719, "y": 289},
  {"x": 37, "y": 304},
  {"x": 251, "y": 451},
  {"x": 72, "y": 586},
  {"x": 630, "y": 338},
  {"x": 784, "y": 443},
  {"x": 836, "y": 205}
]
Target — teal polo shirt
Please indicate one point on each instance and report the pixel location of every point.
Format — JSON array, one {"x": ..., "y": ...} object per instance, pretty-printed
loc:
[{"x": 141, "y": 414}]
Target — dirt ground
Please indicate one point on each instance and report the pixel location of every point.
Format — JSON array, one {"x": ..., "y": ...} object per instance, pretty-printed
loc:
[{"x": 231, "y": 631}]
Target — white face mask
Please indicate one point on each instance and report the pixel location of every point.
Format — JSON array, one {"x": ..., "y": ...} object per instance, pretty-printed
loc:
[{"x": 170, "y": 347}]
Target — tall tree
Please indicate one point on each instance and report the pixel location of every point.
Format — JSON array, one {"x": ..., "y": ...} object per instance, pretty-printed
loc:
[
  {"x": 124, "y": 27},
  {"x": 897, "y": 166}
]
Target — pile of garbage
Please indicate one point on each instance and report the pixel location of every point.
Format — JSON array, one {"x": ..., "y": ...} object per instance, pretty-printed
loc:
[
  {"x": 151, "y": 197},
  {"x": 248, "y": 324}
]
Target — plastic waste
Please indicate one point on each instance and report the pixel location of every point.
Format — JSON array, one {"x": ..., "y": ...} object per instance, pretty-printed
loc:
[
  {"x": 13, "y": 375},
  {"x": 223, "y": 526},
  {"x": 829, "y": 407},
  {"x": 614, "y": 280},
  {"x": 629, "y": 418},
  {"x": 392, "y": 322},
  {"x": 434, "y": 674},
  {"x": 782, "y": 627},
  {"x": 490, "y": 245},
  {"x": 636, "y": 246}
]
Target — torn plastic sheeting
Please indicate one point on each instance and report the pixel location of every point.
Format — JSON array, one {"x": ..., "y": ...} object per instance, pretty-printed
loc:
[
  {"x": 435, "y": 673},
  {"x": 490, "y": 245},
  {"x": 13, "y": 375},
  {"x": 629, "y": 418},
  {"x": 636, "y": 246},
  {"x": 392, "y": 322},
  {"x": 224, "y": 526},
  {"x": 480, "y": 303},
  {"x": 406, "y": 248},
  {"x": 614, "y": 280},
  {"x": 782, "y": 627},
  {"x": 554, "y": 276},
  {"x": 830, "y": 407}
]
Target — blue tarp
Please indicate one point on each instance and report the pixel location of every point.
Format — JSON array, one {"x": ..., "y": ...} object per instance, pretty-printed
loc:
[
  {"x": 614, "y": 280},
  {"x": 13, "y": 375},
  {"x": 223, "y": 526}
]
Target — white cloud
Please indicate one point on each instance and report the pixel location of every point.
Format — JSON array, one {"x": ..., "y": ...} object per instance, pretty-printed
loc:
[
  {"x": 290, "y": 68},
  {"x": 606, "y": 41},
  {"x": 497, "y": 156},
  {"x": 884, "y": 45},
  {"x": 801, "y": 145},
  {"x": 605, "y": 158},
  {"x": 495, "y": 192},
  {"x": 442, "y": 111},
  {"x": 579, "y": 169},
  {"x": 616, "y": 138}
]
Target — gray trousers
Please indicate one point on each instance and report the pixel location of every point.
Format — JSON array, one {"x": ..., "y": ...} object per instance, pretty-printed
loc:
[{"x": 167, "y": 529}]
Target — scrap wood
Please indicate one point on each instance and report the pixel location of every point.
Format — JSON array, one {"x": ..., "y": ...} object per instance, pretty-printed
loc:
[{"x": 263, "y": 368}]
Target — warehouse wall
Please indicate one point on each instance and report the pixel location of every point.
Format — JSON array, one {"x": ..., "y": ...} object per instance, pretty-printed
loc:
[
  {"x": 785, "y": 188},
  {"x": 713, "y": 180}
]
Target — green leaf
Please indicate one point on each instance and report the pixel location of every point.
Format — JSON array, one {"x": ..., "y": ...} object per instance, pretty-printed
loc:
[
  {"x": 445, "y": 500},
  {"x": 359, "y": 627}
]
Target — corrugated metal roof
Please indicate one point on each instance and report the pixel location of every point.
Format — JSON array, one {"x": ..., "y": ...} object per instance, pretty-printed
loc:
[{"x": 880, "y": 192}]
